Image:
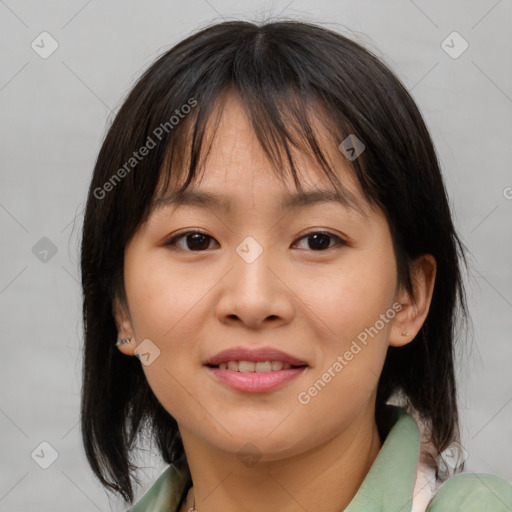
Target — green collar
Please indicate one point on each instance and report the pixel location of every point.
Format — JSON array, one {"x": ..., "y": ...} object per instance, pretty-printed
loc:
[
  {"x": 387, "y": 487},
  {"x": 389, "y": 484}
]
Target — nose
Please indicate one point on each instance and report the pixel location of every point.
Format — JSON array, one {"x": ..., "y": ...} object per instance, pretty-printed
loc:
[{"x": 256, "y": 293}]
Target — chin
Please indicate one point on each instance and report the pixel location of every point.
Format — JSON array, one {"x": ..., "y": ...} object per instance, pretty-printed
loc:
[{"x": 252, "y": 444}]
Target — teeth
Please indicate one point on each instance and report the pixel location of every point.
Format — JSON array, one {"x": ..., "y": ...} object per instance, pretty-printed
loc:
[
  {"x": 251, "y": 366},
  {"x": 263, "y": 366},
  {"x": 245, "y": 366}
]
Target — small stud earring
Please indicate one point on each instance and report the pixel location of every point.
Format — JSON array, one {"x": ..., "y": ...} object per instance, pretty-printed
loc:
[
  {"x": 123, "y": 341},
  {"x": 405, "y": 333}
]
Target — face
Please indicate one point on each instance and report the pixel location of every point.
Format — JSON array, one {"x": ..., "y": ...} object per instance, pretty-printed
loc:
[{"x": 316, "y": 281}]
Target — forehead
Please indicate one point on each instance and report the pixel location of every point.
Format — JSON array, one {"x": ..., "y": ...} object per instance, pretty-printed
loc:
[{"x": 236, "y": 167}]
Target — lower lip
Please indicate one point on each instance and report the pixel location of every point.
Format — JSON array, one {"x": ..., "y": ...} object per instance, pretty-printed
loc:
[{"x": 256, "y": 382}]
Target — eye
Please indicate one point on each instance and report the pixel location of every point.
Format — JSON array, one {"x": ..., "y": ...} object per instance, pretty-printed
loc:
[
  {"x": 319, "y": 240},
  {"x": 194, "y": 241}
]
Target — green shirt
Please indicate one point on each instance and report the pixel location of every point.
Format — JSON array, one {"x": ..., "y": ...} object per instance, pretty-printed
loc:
[{"x": 387, "y": 487}]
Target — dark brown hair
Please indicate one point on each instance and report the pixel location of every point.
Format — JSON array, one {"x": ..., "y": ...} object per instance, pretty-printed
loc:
[{"x": 282, "y": 72}]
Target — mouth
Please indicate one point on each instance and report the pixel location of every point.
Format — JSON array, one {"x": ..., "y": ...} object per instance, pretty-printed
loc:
[
  {"x": 255, "y": 377},
  {"x": 251, "y": 370},
  {"x": 262, "y": 359},
  {"x": 260, "y": 371},
  {"x": 256, "y": 366}
]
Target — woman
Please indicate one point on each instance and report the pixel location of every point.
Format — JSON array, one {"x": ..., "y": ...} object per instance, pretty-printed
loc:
[{"x": 267, "y": 231}]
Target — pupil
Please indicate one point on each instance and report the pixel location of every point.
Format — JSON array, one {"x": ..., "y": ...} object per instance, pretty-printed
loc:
[
  {"x": 319, "y": 237},
  {"x": 197, "y": 239}
]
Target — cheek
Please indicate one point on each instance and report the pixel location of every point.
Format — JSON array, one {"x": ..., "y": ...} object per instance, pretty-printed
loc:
[
  {"x": 166, "y": 307},
  {"x": 354, "y": 316},
  {"x": 350, "y": 296},
  {"x": 162, "y": 295}
]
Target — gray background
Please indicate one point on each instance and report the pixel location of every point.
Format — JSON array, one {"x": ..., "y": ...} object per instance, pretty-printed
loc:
[{"x": 55, "y": 113}]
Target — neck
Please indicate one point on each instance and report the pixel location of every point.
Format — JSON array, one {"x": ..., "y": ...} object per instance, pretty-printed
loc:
[{"x": 326, "y": 477}]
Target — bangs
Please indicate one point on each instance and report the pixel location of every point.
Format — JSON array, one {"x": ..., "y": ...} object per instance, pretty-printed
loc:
[{"x": 282, "y": 120}]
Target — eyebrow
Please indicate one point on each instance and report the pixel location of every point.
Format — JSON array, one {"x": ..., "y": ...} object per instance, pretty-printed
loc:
[{"x": 219, "y": 202}]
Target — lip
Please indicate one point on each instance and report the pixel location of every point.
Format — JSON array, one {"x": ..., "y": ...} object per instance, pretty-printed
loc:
[
  {"x": 256, "y": 355},
  {"x": 255, "y": 382}
]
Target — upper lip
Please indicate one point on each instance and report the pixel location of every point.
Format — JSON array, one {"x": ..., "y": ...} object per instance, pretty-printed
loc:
[{"x": 261, "y": 354}]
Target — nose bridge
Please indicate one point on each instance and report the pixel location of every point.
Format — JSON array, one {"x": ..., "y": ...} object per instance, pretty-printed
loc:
[
  {"x": 253, "y": 293},
  {"x": 252, "y": 274}
]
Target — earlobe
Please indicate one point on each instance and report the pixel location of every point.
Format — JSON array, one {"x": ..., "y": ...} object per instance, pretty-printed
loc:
[
  {"x": 403, "y": 331},
  {"x": 409, "y": 320},
  {"x": 126, "y": 341},
  {"x": 126, "y": 345}
]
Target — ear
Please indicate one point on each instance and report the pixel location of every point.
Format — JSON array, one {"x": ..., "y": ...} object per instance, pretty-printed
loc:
[
  {"x": 410, "y": 318},
  {"x": 124, "y": 326}
]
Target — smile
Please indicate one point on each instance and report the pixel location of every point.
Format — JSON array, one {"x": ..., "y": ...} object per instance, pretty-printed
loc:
[
  {"x": 252, "y": 377},
  {"x": 255, "y": 366}
]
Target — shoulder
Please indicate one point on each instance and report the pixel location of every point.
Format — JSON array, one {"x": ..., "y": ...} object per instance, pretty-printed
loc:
[{"x": 473, "y": 492}]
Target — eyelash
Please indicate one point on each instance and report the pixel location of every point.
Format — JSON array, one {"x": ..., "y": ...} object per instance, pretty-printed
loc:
[{"x": 172, "y": 241}]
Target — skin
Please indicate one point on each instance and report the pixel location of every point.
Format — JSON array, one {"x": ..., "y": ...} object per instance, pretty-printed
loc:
[{"x": 309, "y": 303}]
